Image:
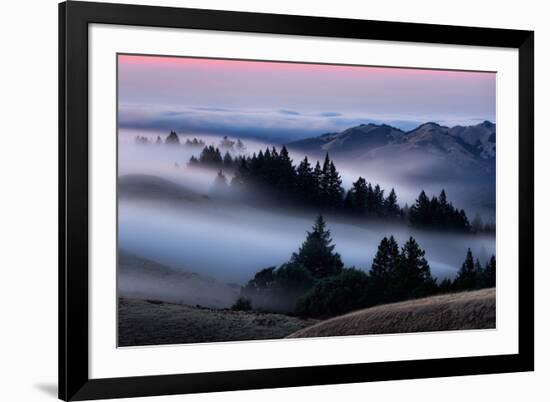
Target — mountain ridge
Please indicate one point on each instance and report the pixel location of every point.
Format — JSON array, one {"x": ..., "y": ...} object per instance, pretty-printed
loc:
[{"x": 471, "y": 148}]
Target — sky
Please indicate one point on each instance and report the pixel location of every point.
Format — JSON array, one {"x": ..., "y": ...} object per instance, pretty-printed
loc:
[{"x": 282, "y": 101}]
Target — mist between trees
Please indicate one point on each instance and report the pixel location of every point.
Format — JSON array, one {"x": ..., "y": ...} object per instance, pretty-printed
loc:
[
  {"x": 315, "y": 283},
  {"x": 319, "y": 186}
]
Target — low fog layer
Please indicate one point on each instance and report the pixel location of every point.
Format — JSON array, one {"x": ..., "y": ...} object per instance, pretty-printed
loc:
[
  {"x": 232, "y": 243},
  {"x": 407, "y": 175},
  {"x": 190, "y": 230},
  {"x": 144, "y": 279}
]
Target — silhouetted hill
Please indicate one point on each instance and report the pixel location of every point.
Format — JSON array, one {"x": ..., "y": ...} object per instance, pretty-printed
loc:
[
  {"x": 145, "y": 279},
  {"x": 445, "y": 152},
  {"x": 154, "y": 187}
]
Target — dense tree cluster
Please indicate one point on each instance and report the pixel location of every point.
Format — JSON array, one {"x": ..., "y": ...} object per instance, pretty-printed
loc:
[
  {"x": 278, "y": 289},
  {"x": 438, "y": 213},
  {"x": 472, "y": 275},
  {"x": 315, "y": 283},
  {"x": 364, "y": 199},
  {"x": 141, "y": 140},
  {"x": 336, "y": 295},
  {"x": 172, "y": 139},
  {"x": 194, "y": 143},
  {"x": 227, "y": 143},
  {"x": 211, "y": 157},
  {"x": 400, "y": 274},
  {"x": 314, "y": 260},
  {"x": 320, "y": 186},
  {"x": 395, "y": 275},
  {"x": 268, "y": 170},
  {"x": 478, "y": 226}
]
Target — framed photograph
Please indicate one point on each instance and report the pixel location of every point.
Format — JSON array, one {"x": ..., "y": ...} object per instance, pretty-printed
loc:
[{"x": 258, "y": 200}]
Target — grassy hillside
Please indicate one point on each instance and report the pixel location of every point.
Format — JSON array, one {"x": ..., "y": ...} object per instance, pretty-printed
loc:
[
  {"x": 457, "y": 311},
  {"x": 147, "y": 322}
]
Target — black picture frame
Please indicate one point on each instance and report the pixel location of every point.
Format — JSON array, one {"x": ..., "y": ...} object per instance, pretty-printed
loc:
[{"x": 74, "y": 18}]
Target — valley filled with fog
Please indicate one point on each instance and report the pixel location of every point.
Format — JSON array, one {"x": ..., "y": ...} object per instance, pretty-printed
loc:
[{"x": 183, "y": 223}]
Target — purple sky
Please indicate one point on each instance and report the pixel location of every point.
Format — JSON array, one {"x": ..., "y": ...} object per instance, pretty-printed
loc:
[{"x": 289, "y": 100}]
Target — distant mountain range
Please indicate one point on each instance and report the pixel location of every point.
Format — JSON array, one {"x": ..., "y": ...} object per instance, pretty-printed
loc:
[{"x": 459, "y": 150}]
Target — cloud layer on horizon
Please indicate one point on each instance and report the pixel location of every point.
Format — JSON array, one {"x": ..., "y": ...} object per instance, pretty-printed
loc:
[
  {"x": 281, "y": 125},
  {"x": 283, "y": 101}
]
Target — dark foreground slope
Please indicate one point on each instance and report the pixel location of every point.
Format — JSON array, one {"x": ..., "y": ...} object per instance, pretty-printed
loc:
[
  {"x": 142, "y": 322},
  {"x": 457, "y": 311}
]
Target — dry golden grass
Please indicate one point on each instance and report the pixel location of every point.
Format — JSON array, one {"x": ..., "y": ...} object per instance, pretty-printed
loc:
[{"x": 457, "y": 311}]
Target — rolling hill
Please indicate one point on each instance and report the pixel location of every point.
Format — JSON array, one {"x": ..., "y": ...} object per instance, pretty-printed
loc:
[
  {"x": 457, "y": 311},
  {"x": 145, "y": 279},
  {"x": 143, "y": 186},
  {"x": 154, "y": 322}
]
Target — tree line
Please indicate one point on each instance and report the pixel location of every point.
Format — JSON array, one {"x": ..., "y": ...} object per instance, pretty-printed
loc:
[
  {"x": 211, "y": 157},
  {"x": 437, "y": 212},
  {"x": 315, "y": 283},
  {"x": 173, "y": 139},
  {"x": 320, "y": 186},
  {"x": 194, "y": 143}
]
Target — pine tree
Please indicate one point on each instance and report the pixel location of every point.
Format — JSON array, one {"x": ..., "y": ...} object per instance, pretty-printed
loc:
[
  {"x": 443, "y": 199},
  {"x": 378, "y": 200},
  {"x": 227, "y": 160},
  {"x": 490, "y": 272},
  {"x": 317, "y": 252},
  {"x": 242, "y": 175},
  {"x": 285, "y": 173},
  {"x": 305, "y": 182},
  {"x": 413, "y": 276},
  {"x": 480, "y": 278},
  {"x": 383, "y": 271},
  {"x": 390, "y": 205},
  {"x": 445, "y": 286},
  {"x": 317, "y": 178},
  {"x": 467, "y": 276},
  {"x": 358, "y": 196},
  {"x": 324, "y": 182},
  {"x": 335, "y": 192},
  {"x": 464, "y": 223},
  {"x": 419, "y": 213}
]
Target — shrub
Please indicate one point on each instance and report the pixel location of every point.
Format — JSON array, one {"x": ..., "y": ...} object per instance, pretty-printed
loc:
[
  {"x": 293, "y": 279},
  {"x": 335, "y": 295},
  {"x": 278, "y": 289},
  {"x": 242, "y": 304}
]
